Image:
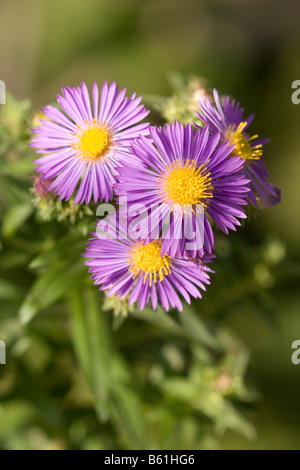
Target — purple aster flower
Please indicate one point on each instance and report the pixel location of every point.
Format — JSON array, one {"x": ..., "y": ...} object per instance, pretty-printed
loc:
[
  {"x": 128, "y": 266},
  {"x": 188, "y": 177},
  {"x": 85, "y": 142},
  {"x": 227, "y": 118}
]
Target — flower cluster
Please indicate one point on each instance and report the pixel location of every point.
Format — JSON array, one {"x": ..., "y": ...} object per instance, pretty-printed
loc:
[{"x": 180, "y": 183}]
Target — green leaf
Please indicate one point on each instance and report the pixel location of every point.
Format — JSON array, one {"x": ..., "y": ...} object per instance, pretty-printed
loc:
[
  {"x": 14, "y": 218},
  {"x": 128, "y": 417},
  {"x": 196, "y": 328},
  {"x": 100, "y": 353},
  {"x": 228, "y": 417},
  {"x": 180, "y": 389},
  {"x": 158, "y": 318},
  {"x": 13, "y": 191},
  {"x": 14, "y": 258},
  {"x": 9, "y": 291},
  {"x": 92, "y": 345},
  {"x": 80, "y": 334},
  {"x": 69, "y": 247},
  {"x": 55, "y": 283}
]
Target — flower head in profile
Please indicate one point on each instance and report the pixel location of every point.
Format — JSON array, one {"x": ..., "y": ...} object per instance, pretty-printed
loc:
[
  {"x": 226, "y": 117},
  {"x": 86, "y": 140},
  {"x": 189, "y": 177},
  {"x": 127, "y": 266}
]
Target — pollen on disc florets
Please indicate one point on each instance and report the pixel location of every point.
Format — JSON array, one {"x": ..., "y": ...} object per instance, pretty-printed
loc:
[
  {"x": 187, "y": 184},
  {"x": 242, "y": 145},
  {"x": 92, "y": 140},
  {"x": 146, "y": 261}
]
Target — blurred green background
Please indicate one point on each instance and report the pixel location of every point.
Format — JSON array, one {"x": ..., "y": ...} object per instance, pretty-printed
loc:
[{"x": 247, "y": 48}]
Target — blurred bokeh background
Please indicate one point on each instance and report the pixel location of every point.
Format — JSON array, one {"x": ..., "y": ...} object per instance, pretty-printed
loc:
[{"x": 247, "y": 48}]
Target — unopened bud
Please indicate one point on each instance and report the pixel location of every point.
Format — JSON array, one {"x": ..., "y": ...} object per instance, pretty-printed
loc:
[{"x": 41, "y": 186}]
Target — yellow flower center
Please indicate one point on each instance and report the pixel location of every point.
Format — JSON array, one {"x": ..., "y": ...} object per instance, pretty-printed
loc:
[
  {"x": 147, "y": 261},
  {"x": 242, "y": 144},
  {"x": 187, "y": 184},
  {"x": 93, "y": 141}
]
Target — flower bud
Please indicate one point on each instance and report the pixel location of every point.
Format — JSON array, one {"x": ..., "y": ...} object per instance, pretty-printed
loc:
[{"x": 41, "y": 186}]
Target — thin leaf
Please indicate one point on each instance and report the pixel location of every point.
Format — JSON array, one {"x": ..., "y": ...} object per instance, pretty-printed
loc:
[
  {"x": 56, "y": 282},
  {"x": 14, "y": 218}
]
